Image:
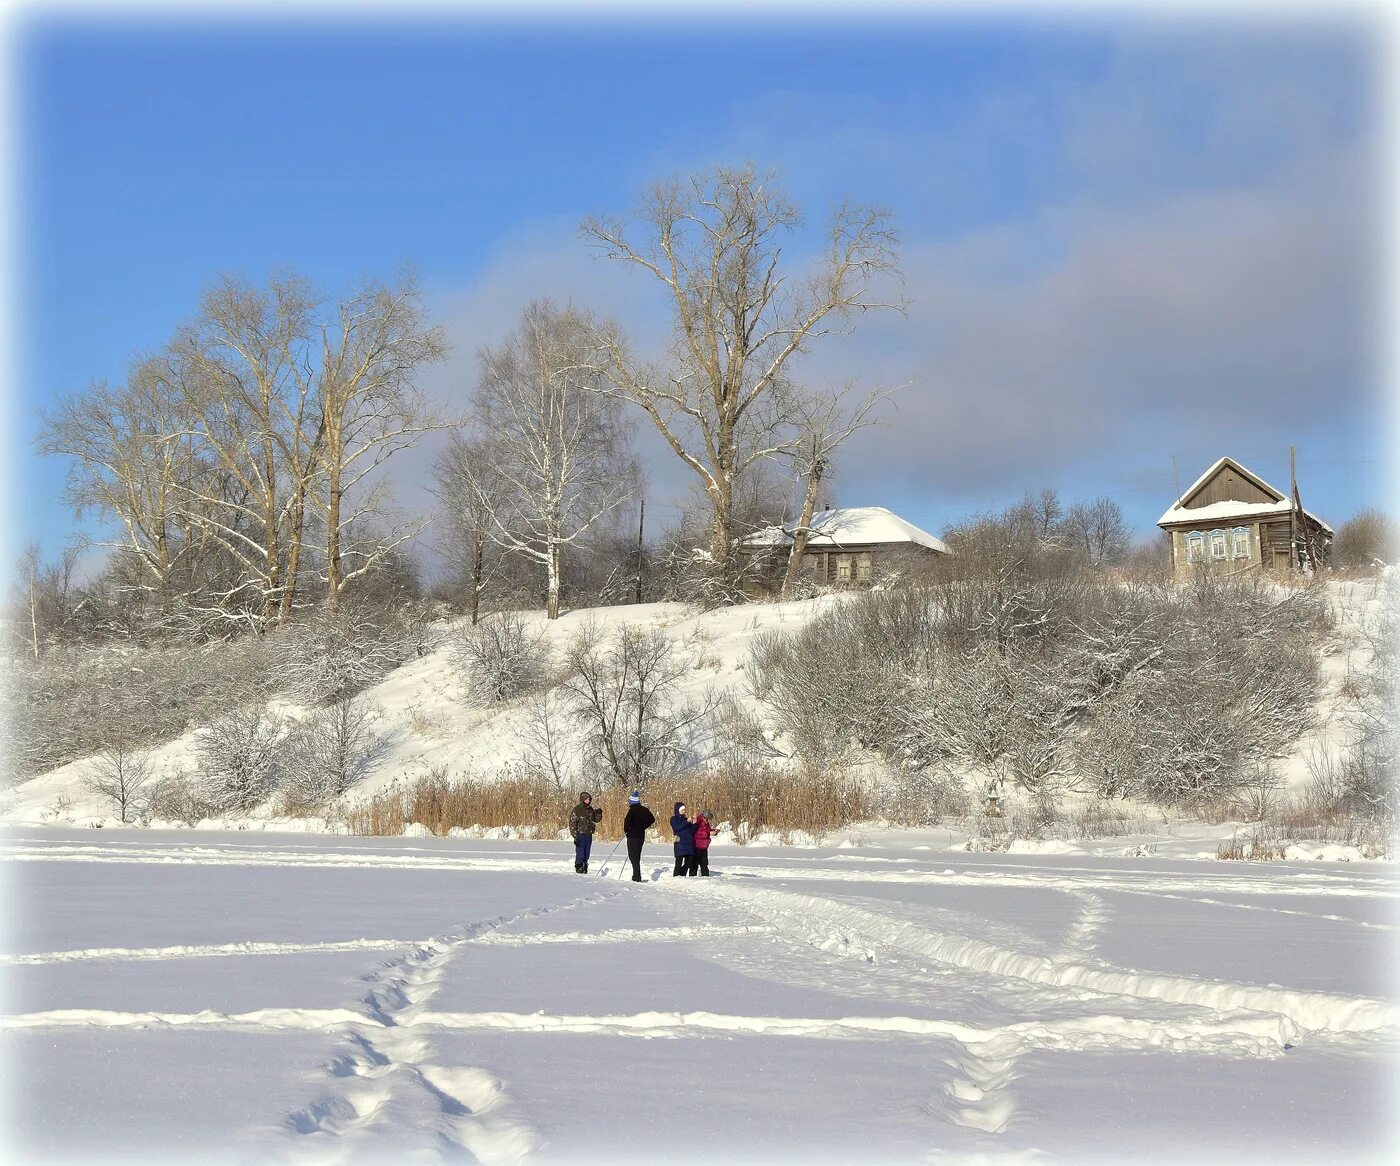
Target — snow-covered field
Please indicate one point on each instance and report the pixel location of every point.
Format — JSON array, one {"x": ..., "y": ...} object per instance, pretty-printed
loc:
[{"x": 259, "y": 997}]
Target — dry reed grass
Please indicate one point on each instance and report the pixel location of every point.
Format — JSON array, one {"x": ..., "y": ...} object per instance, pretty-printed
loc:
[{"x": 750, "y": 801}]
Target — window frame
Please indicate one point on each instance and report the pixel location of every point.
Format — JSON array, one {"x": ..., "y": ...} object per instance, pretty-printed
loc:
[
  {"x": 1237, "y": 534},
  {"x": 1195, "y": 547},
  {"x": 1224, "y": 545}
]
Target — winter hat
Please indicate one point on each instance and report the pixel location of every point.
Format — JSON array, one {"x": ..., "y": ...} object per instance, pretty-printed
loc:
[
  {"x": 636, "y": 798},
  {"x": 709, "y": 817},
  {"x": 585, "y": 796}
]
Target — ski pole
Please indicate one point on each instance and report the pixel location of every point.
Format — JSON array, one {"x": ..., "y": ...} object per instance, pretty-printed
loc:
[{"x": 610, "y": 857}]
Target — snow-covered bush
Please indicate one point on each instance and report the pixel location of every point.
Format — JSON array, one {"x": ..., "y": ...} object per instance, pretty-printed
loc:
[
  {"x": 180, "y": 797},
  {"x": 1368, "y": 785},
  {"x": 332, "y": 655},
  {"x": 77, "y": 700},
  {"x": 503, "y": 657},
  {"x": 1231, "y": 688},
  {"x": 1054, "y": 682},
  {"x": 330, "y": 751},
  {"x": 242, "y": 757}
]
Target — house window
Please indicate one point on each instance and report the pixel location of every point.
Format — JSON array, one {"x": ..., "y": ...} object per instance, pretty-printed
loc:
[
  {"x": 1217, "y": 544},
  {"x": 1195, "y": 547},
  {"x": 1239, "y": 539},
  {"x": 863, "y": 568},
  {"x": 843, "y": 568}
]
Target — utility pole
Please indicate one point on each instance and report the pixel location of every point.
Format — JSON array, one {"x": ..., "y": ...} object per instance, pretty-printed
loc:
[
  {"x": 641, "y": 525},
  {"x": 1293, "y": 556},
  {"x": 1176, "y": 478}
]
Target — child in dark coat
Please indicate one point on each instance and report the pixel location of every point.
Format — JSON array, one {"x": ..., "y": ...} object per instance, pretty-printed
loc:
[{"x": 684, "y": 830}]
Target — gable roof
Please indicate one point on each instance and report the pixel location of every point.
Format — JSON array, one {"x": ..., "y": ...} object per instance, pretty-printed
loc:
[
  {"x": 1223, "y": 511},
  {"x": 851, "y": 526}
]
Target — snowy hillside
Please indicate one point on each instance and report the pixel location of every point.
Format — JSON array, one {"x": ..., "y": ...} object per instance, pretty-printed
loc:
[
  {"x": 428, "y": 719},
  {"x": 429, "y": 723}
]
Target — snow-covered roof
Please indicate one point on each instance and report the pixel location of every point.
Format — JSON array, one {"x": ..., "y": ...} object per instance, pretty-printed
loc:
[
  {"x": 1224, "y": 511},
  {"x": 850, "y": 526}
]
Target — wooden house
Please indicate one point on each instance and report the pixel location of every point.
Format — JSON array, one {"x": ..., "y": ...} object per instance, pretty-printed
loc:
[
  {"x": 846, "y": 547},
  {"x": 1231, "y": 521}
]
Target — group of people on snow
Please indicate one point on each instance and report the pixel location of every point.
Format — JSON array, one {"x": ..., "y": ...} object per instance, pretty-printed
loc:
[{"x": 692, "y": 845}]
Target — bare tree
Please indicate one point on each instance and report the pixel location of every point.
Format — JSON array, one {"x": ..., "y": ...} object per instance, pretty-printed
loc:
[
  {"x": 1099, "y": 530},
  {"x": 624, "y": 694},
  {"x": 331, "y": 750},
  {"x": 471, "y": 493},
  {"x": 45, "y": 599},
  {"x": 546, "y": 740},
  {"x": 120, "y": 775},
  {"x": 823, "y": 423},
  {"x": 714, "y": 243},
  {"x": 242, "y": 370},
  {"x": 133, "y": 460},
  {"x": 369, "y": 408},
  {"x": 501, "y": 658},
  {"x": 554, "y": 454},
  {"x": 1367, "y": 540},
  {"x": 241, "y": 758}
]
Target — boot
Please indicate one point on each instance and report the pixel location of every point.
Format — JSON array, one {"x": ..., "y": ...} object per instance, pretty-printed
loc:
[
  {"x": 585, "y": 868},
  {"x": 578, "y": 868}
]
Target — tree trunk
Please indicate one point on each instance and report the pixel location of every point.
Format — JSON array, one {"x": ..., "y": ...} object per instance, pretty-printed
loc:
[
  {"x": 552, "y": 600},
  {"x": 34, "y": 614},
  {"x": 333, "y": 573},
  {"x": 721, "y": 539},
  {"x": 478, "y": 557},
  {"x": 289, "y": 582},
  {"x": 799, "y": 539}
]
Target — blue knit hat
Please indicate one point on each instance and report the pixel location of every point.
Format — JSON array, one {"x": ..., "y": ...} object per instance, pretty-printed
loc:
[{"x": 636, "y": 798}]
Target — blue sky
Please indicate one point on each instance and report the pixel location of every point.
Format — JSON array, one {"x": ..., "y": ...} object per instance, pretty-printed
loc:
[{"x": 1123, "y": 242}]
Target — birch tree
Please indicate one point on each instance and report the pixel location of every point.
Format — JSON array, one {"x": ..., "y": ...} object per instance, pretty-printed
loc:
[
  {"x": 131, "y": 459},
  {"x": 471, "y": 494},
  {"x": 555, "y": 457},
  {"x": 369, "y": 407},
  {"x": 740, "y": 318},
  {"x": 242, "y": 370}
]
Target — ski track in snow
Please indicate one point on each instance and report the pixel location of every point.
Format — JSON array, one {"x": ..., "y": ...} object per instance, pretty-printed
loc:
[
  {"x": 389, "y": 1097},
  {"x": 202, "y": 951},
  {"x": 387, "y": 1093},
  {"x": 1242, "y": 1019}
]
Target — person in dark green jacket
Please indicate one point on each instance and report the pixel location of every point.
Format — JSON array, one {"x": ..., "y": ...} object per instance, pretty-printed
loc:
[{"x": 582, "y": 821}]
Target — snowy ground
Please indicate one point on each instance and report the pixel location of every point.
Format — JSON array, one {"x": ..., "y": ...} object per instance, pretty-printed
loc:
[{"x": 255, "y": 997}]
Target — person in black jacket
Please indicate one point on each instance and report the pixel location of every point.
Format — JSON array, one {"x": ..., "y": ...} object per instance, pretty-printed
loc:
[
  {"x": 634, "y": 826},
  {"x": 684, "y": 830},
  {"x": 581, "y": 823}
]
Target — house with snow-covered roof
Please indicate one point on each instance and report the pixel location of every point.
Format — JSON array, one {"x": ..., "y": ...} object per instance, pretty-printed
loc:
[
  {"x": 1230, "y": 520},
  {"x": 852, "y": 546}
]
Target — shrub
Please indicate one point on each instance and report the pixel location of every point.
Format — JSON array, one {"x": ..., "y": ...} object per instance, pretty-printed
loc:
[
  {"x": 242, "y": 758},
  {"x": 332, "y": 655},
  {"x": 120, "y": 776},
  {"x": 623, "y": 692},
  {"x": 330, "y": 751},
  {"x": 503, "y": 657}
]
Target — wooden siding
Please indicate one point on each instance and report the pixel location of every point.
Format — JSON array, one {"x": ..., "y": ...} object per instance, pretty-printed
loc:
[
  {"x": 1227, "y": 484},
  {"x": 1269, "y": 547}
]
